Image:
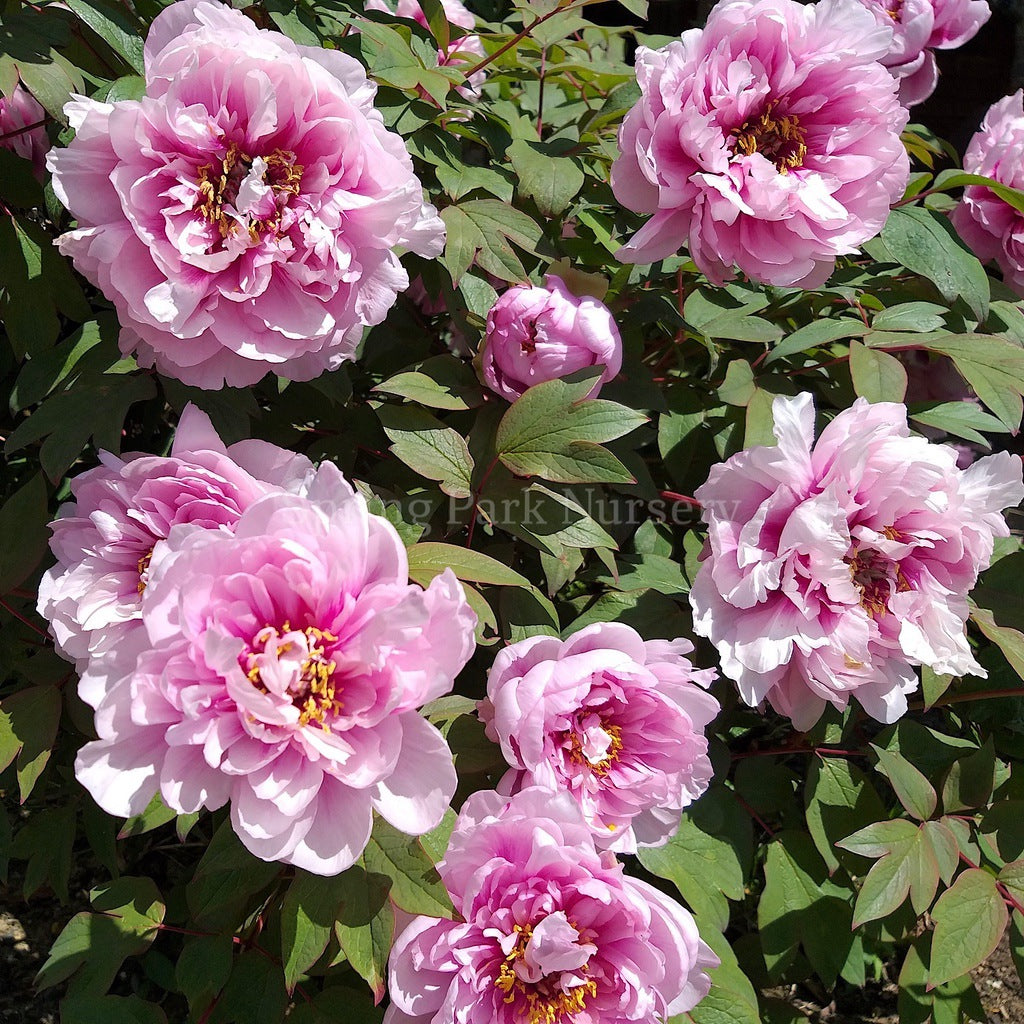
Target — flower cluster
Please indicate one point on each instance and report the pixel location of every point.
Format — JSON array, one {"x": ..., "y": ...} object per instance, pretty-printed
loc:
[
  {"x": 832, "y": 568},
  {"x": 549, "y": 930},
  {"x": 265, "y": 648},
  {"x": 988, "y": 224},
  {"x": 768, "y": 141},
  {"x": 538, "y": 334},
  {"x": 920, "y": 27},
  {"x": 243, "y": 216},
  {"x": 614, "y": 720}
]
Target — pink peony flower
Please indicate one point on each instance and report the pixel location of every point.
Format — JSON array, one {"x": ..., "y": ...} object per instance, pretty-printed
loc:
[
  {"x": 21, "y": 127},
  {"x": 769, "y": 140},
  {"x": 919, "y": 27},
  {"x": 467, "y": 49},
  {"x": 614, "y": 720},
  {"x": 123, "y": 512},
  {"x": 833, "y": 568},
  {"x": 536, "y": 334},
  {"x": 988, "y": 224},
  {"x": 282, "y": 668},
  {"x": 550, "y": 930},
  {"x": 243, "y": 216}
]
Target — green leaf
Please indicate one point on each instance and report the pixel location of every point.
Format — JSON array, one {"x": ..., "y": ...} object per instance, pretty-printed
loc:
[
  {"x": 1012, "y": 877},
  {"x": 555, "y": 432},
  {"x": 442, "y": 382},
  {"x": 308, "y": 912},
  {"x": 732, "y": 999},
  {"x": 877, "y": 376},
  {"x": 23, "y": 525},
  {"x": 970, "y": 780},
  {"x": 910, "y": 316},
  {"x": 92, "y": 947},
  {"x": 429, "y": 448},
  {"x": 366, "y": 925},
  {"x": 815, "y": 334},
  {"x": 839, "y": 800},
  {"x": 45, "y": 841},
  {"x": 114, "y": 26},
  {"x": 157, "y": 813},
  {"x": 970, "y": 918},
  {"x": 706, "y": 859},
  {"x": 416, "y": 886},
  {"x": 203, "y": 969},
  {"x": 28, "y": 729},
  {"x": 907, "y": 864},
  {"x": 738, "y": 387},
  {"x": 545, "y": 176},
  {"x": 914, "y": 791},
  {"x": 429, "y": 559},
  {"x": 961, "y": 419},
  {"x": 542, "y": 517},
  {"x": 482, "y": 231},
  {"x": 795, "y": 910},
  {"x": 1009, "y": 641},
  {"x": 924, "y": 241},
  {"x": 992, "y": 366},
  {"x": 225, "y": 879},
  {"x": 254, "y": 994},
  {"x": 933, "y": 686},
  {"x": 95, "y": 407},
  {"x": 110, "y": 1010},
  {"x": 954, "y": 178},
  {"x": 1000, "y": 591}
]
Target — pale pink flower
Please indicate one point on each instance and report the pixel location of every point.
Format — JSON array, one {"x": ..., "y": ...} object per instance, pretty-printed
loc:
[
  {"x": 18, "y": 112},
  {"x": 832, "y": 569},
  {"x": 244, "y": 216},
  {"x": 282, "y": 669},
  {"x": 614, "y": 720},
  {"x": 535, "y": 334},
  {"x": 548, "y": 929},
  {"x": 768, "y": 141},
  {"x": 919, "y": 27},
  {"x": 123, "y": 511},
  {"x": 988, "y": 224}
]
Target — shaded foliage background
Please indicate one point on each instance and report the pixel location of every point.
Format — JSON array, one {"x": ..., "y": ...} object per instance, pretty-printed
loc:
[{"x": 821, "y": 860}]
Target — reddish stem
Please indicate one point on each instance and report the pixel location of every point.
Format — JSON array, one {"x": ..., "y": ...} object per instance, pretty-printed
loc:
[
  {"x": 1008, "y": 898},
  {"x": 21, "y": 131},
  {"x": 25, "y": 622},
  {"x": 757, "y": 817},
  {"x": 964, "y": 698},
  {"x": 684, "y": 498},
  {"x": 476, "y": 499}
]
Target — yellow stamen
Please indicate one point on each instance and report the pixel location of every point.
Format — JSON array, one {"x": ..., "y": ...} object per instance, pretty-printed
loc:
[
  {"x": 778, "y": 139},
  {"x": 318, "y": 698},
  {"x": 143, "y": 566},
  {"x": 541, "y": 1007},
  {"x": 603, "y": 766}
]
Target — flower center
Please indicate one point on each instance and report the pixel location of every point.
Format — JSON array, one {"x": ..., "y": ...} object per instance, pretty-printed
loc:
[
  {"x": 894, "y": 8},
  {"x": 294, "y": 663},
  {"x": 778, "y": 139},
  {"x": 529, "y": 343},
  {"x": 247, "y": 191},
  {"x": 877, "y": 577},
  {"x": 143, "y": 565},
  {"x": 593, "y": 744},
  {"x": 547, "y": 997}
]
